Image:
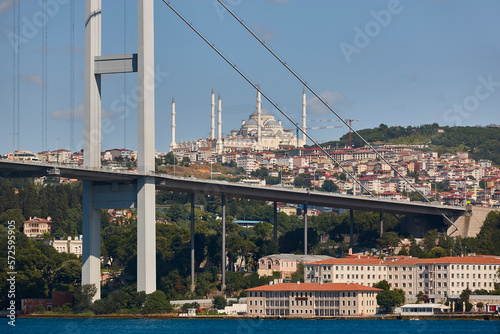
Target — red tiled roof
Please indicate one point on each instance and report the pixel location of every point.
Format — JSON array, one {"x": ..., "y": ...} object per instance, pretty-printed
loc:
[
  {"x": 350, "y": 261},
  {"x": 450, "y": 260},
  {"x": 314, "y": 287},
  {"x": 484, "y": 259}
]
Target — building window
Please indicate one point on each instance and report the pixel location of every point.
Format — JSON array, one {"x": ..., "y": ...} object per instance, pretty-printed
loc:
[{"x": 250, "y": 303}]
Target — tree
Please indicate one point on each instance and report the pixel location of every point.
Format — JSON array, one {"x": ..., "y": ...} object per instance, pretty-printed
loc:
[
  {"x": 219, "y": 302},
  {"x": 389, "y": 240},
  {"x": 384, "y": 285},
  {"x": 83, "y": 297},
  {"x": 422, "y": 298},
  {"x": 388, "y": 299},
  {"x": 298, "y": 275},
  {"x": 329, "y": 186},
  {"x": 437, "y": 252},
  {"x": 156, "y": 302},
  {"x": 70, "y": 272},
  {"x": 301, "y": 180}
]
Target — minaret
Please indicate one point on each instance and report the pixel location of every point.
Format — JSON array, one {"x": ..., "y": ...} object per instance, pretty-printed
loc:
[
  {"x": 173, "y": 145},
  {"x": 212, "y": 104},
  {"x": 259, "y": 117},
  {"x": 304, "y": 116},
  {"x": 219, "y": 129}
]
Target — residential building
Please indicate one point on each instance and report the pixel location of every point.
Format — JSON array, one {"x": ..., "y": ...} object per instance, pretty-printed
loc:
[
  {"x": 438, "y": 278},
  {"x": 69, "y": 245},
  {"x": 22, "y": 155},
  {"x": 36, "y": 227},
  {"x": 285, "y": 264},
  {"x": 312, "y": 300}
]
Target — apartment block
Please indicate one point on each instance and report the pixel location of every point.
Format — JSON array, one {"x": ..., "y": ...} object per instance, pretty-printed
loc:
[{"x": 438, "y": 278}]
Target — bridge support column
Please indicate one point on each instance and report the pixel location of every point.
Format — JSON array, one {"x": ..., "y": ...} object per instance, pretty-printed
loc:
[
  {"x": 381, "y": 222},
  {"x": 146, "y": 235},
  {"x": 193, "y": 195},
  {"x": 275, "y": 220},
  {"x": 223, "y": 265},
  {"x": 146, "y": 220},
  {"x": 351, "y": 229},
  {"x": 305, "y": 228},
  {"x": 91, "y": 252}
]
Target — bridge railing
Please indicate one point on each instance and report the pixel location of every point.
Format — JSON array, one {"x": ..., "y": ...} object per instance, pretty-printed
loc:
[{"x": 215, "y": 182}]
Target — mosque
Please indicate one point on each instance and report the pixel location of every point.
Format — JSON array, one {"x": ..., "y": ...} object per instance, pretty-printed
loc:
[{"x": 260, "y": 132}]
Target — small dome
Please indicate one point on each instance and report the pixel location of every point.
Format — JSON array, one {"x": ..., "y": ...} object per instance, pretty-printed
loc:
[
  {"x": 250, "y": 122},
  {"x": 271, "y": 123}
]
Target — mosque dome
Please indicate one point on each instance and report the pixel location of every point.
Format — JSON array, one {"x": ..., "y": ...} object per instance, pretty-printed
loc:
[
  {"x": 250, "y": 122},
  {"x": 263, "y": 112},
  {"x": 271, "y": 124}
]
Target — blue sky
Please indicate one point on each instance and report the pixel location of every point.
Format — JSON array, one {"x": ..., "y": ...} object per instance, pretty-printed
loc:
[{"x": 393, "y": 62}]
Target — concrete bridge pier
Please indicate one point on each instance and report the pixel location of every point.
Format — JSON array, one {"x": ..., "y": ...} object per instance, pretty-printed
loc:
[
  {"x": 351, "y": 229},
  {"x": 381, "y": 223},
  {"x": 305, "y": 228},
  {"x": 193, "y": 196},
  {"x": 275, "y": 220},
  {"x": 91, "y": 230},
  {"x": 223, "y": 265}
]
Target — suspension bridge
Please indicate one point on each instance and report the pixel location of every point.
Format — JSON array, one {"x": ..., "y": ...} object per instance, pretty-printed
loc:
[{"x": 107, "y": 189}]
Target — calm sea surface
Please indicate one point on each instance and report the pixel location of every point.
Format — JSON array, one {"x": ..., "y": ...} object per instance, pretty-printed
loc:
[{"x": 247, "y": 326}]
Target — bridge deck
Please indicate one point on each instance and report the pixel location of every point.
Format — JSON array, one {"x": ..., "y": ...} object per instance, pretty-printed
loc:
[{"x": 266, "y": 193}]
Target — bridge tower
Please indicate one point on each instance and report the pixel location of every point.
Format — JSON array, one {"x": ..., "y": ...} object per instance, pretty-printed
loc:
[{"x": 96, "y": 195}]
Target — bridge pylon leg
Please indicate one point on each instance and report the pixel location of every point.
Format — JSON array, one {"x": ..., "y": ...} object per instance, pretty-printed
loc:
[
  {"x": 275, "y": 221},
  {"x": 146, "y": 235},
  {"x": 91, "y": 252},
  {"x": 192, "y": 241},
  {"x": 381, "y": 222},
  {"x": 223, "y": 266},
  {"x": 351, "y": 229},
  {"x": 305, "y": 228}
]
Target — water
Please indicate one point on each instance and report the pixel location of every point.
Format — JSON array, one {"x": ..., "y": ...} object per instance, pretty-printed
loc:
[{"x": 247, "y": 326}]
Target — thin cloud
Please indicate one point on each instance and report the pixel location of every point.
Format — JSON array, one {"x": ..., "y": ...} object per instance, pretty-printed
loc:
[
  {"x": 334, "y": 99},
  {"x": 277, "y": 1},
  {"x": 6, "y": 5},
  {"x": 65, "y": 114},
  {"x": 33, "y": 79},
  {"x": 265, "y": 33}
]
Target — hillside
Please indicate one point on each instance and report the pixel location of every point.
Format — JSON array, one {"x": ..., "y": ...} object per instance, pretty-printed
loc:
[{"x": 479, "y": 142}]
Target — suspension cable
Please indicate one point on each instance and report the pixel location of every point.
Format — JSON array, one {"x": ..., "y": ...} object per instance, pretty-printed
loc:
[
  {"x": 265, "y": 96},
  {"x": 72, "y": 77},
  {"x": 332, "y": 110},
  {"x": 15, "y": 50},
  {"x": 124, "y": 74}
]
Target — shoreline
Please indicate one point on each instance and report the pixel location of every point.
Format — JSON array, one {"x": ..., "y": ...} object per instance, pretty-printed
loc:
[{"x": 486, "y": 317}]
